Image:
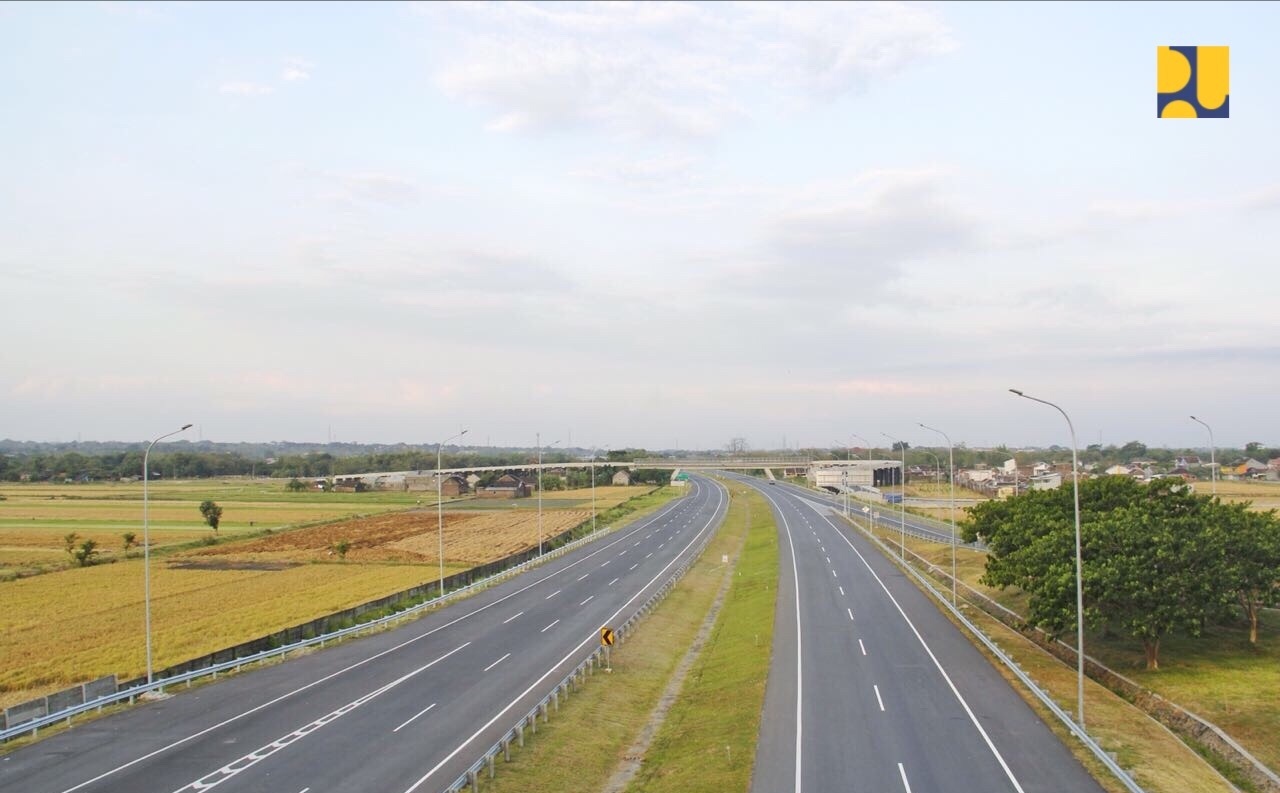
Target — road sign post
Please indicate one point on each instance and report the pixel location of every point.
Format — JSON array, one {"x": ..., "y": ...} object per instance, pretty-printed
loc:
[{"x": 606, "y": 641}]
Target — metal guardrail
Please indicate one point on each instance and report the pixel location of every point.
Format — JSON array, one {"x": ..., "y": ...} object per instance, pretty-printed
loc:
[
  {"x": 488, "y": 759},
  {"x": 132, "y": 693},
  {"x": 1103, "y": 756}
]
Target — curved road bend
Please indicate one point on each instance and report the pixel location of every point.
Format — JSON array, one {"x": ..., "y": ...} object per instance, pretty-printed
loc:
[
  {"x": 401, "y": 711},
  {"x": 873, "y": 689}
]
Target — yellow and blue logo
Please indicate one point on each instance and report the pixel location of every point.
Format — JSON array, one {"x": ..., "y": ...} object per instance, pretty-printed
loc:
[{"x": 1193, "y": 82}]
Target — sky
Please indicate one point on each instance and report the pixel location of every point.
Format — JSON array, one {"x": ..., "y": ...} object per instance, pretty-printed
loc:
[{"x": 659, "y": 225}]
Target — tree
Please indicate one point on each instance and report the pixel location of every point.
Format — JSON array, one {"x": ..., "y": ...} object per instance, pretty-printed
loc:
[
  {"x": 70, "y": 541},
  {"x": 1151, "y": 565},
  {"x": 341, "y": 547},
  {"x": 1154, "y": 570},
  {"x": 130, "y": 540},
  {"x": 1132, "y": 451},
  {"x": 1251, "y": 558},
  {"x": 899, "y": 446},
  {"x": 85, "y": 553},
  {"x": 295, "y": 485},
  {"x": 212, "y": 514},
  {"x": 552, "y": 482}
]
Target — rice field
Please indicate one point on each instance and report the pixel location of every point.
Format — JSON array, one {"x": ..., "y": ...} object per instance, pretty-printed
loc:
[
  {"x": 35, "y": 518},
  {"x": 75, "y": 624},
  {"x": 60, "y": 629}
]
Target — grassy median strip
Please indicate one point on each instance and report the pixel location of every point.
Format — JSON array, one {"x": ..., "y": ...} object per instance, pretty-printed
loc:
[
  {"x": 582, "y": 745},
  {"x": 1158, "y": 760}
]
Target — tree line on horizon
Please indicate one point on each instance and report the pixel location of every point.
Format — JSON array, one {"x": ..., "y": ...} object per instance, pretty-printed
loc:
[{"x": 75, "y": 466}]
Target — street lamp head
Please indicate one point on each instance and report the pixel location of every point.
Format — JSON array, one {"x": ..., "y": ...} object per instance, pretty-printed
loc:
[
  {"x": 186, "y": 427},
  {"x": 1016, "y": 391}
]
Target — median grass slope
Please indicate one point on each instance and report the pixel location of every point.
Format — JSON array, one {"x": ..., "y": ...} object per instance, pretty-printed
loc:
[{"x": 587, "y": 741}]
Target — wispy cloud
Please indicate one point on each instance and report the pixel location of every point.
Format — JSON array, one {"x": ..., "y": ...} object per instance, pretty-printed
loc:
[
  {"x": 673, "y": 69},
  {"x": 296, "y": 69}
]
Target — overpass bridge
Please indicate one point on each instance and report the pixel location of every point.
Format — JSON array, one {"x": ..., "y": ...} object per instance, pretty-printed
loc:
[{"x": 724, "y": 463}]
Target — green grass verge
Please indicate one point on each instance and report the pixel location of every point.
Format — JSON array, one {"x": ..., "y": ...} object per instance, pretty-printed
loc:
[
  {"x": 708, "y": 740},
  {"x": 583, "y": 745}
]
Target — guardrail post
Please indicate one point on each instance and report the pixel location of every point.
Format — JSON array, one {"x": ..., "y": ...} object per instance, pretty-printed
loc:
[
  {"x": 492, "y": 757},
  {"x": 519, "y": 737},
  {"x": 546, "y": 713},
  {"x": 474, "y": 778},
  {"x": 506, "y": 749},
  {"x": 555, "y": 698}
]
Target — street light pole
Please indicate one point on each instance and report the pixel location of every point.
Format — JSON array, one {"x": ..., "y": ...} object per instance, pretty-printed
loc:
[
  {"x": 146, "y": 542},
  {"x": 1075, "y": 486},
  {"x": 1213, "y": 463},
  {"x": 593, "y": 489},
  {"x": 951, "y": 471},
  {"x": 902, "y": 505},
  {"x": 539, "y": 438},
  {"x": 937, "y": 467},
  {"x": 440, "y": 502}
]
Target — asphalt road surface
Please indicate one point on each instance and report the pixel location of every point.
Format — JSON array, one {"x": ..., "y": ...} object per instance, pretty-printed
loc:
[
  {"x": 397, "y": 712},
  {"x": 872, "y": 689}
]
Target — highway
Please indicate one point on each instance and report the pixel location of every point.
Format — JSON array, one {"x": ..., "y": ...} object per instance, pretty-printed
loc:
[
  {"x": 889, "y": 515},
  {"x": 872, "y": 689},
  {"x": 396, "y": 712}
]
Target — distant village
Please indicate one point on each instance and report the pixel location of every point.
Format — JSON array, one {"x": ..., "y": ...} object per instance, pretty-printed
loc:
[{"x": 1010, "y": 478}]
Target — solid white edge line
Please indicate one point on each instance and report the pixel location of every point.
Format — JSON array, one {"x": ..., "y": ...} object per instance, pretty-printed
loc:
[
  {"x": 411, "y": 719},
  {"x": 990, "y": 745},
  {"x": 665, "y": 511},
  {"x": 495, "y": 663},
  {"x": 795, "y": 574},
  {"x": 720, "y": 492}
]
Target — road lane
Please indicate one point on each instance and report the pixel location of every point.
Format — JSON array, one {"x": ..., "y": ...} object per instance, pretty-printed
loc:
[
  {"x": 893, "y": 695},
  {"x": 375, "y": 713}
]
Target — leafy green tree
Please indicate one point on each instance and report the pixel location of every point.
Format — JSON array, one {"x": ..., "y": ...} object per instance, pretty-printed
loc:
[
  {"x": 130, "y": 539},
  {"x": 295, "y": 485},
  {"x": 552, "y": 482},
  {"x": 85, "y": 553},
  {"x": 212, "y": 514},
  {"x": 1151, "y": 565},
  {"x": 341, "y": 547},
  {"x": 1251, "y": 558},
  {"x": 1154, "y": 570},
  {"x": 69, "y": 541}
]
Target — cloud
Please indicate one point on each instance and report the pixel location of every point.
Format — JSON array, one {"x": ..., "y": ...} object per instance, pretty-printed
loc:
[
  {"x": 244, "y": 88},
  {"x": 380, "y": 188},
  {"x": 296, "y": 69},
  {"x": 666, "y": 168},
  {"x": 672, "y": 69},
  {"x": 857, "y": 236}
]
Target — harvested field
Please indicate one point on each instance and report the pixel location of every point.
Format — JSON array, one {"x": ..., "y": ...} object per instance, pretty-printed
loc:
[
  {"x": 71, "y": 626},
  {"x": 470, "y": 538}
]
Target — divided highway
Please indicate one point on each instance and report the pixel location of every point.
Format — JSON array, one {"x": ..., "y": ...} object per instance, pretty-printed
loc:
[
  {"x": 397, "y": 712},
  {"x": 872, "y": 689}
]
